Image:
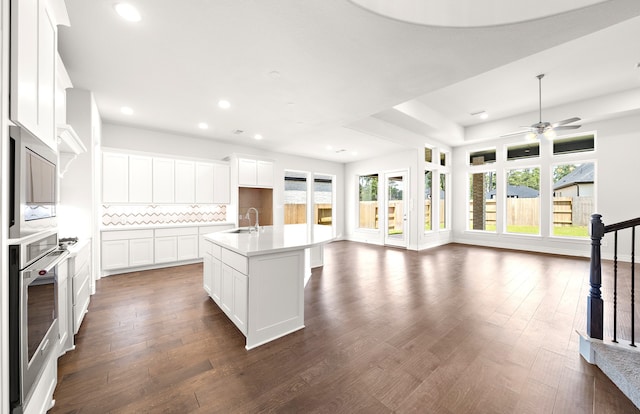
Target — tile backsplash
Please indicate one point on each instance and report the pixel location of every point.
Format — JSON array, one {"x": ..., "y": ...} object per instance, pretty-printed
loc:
[{"x": 137, "y": 215}]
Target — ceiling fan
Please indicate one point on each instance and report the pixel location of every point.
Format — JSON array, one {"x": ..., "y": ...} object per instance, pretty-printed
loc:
[{"x": 546, "y": 129}]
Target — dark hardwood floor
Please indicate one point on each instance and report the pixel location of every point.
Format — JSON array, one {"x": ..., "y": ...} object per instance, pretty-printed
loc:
[{"x": 455, "y": 329}]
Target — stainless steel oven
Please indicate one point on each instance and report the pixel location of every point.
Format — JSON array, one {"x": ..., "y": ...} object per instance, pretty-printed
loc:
[{"x": 33, "y": 315}]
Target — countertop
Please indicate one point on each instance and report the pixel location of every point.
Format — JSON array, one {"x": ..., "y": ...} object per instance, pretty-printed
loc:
[
  {"x": 162, "y": 226},
  {"x": 272, "y": 239}
]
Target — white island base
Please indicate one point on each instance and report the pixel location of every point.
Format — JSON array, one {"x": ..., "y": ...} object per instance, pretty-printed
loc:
[{"x": 258, "y": 279}]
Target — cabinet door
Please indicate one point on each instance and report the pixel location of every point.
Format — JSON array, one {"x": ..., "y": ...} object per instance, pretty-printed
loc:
[
  {"x": 187, "y": 247},
  {"x": 185, "y": 189},
  {"x": 140, "y": 179},
  {"x": 163, "y": 180},
  {"x": 216, "y": 280},
  {"x": 63, "y": 306},
  {"x": 47, "y": 50},
  {"x": 240, "y": 292},
  {"x": 207, "y": 273},
  {"x": 226, "y": 290},
  {"x": 221, "y": 184},
  {"x": 204, "y": 183},
  {"x": 265, "y": 174},
  {"x": 115, "y": 178},
  {"x": 140, "y": 252},
  {"x": 115, "y": 254},
  {"x": 247, "y": 171},
  {"x": 166, "y": 249}
]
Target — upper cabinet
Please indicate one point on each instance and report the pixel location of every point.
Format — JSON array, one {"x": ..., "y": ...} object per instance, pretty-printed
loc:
[
  {"x": 33, "y": 68},
  {"x": 255, "y": 173},
  {"x": 129, "y": 178}
]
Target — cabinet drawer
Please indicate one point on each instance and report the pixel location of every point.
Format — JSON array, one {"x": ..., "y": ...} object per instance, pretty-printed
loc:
[
  {"x": 179, "y": 231},
  {"x": 215, "y": 250},
  {"x": 81, "y": 258},
  {"x": 80, "y": 306},
  {"x": 80, "y": 283},
  {"x": 235, "y": 260},
  {"x": 126, "y": 234}
]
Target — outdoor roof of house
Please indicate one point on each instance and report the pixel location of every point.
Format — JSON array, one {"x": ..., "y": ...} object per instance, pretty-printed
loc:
[
  {"x": 519, "y": 191},
  {"x": 581, "y": 175}
]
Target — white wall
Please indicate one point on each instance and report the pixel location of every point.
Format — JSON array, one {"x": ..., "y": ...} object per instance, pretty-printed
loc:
[
  {"x": 617, "y": 199},
  {"x": 4, "y": 186},
  {"x": 136, "y": 139}
]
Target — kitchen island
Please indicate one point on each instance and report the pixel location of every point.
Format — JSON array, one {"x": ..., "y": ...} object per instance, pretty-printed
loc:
[{"x": 258, "y": 278}]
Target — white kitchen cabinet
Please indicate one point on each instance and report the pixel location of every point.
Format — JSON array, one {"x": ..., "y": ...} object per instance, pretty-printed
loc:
[
  {"x": 240, "y": 293},
  {"x": 140, "y": 179},
  {"x": 221, "y": 186},
  {"x": 255, "y": 173},
  {"x": 140, "y": 251},
  {"x": 188, "y": 247},
  {"x": 33, "y": 61},
  {"x": 206, "y": 230},
  {"x": 163, "y": 180},
  {"x": 64, "y": 320},
  {"x": 166, "y": 249},
  {"x": 80, "y": 274},
  {"x": 115, "y": 178},
  {"x": 185, "y": 188},
  {"x": 226, "y": 289},
  {"x": 264, "y": 176},
  {"x": 216, "y": 280},
  {"x": 204, "y": 182},
  {"x": 207, "y": 273},
  {"x": 126, "y": 248}
]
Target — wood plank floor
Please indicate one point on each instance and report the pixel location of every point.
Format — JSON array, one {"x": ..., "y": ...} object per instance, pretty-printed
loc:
[{"x": 455, "y": 329}]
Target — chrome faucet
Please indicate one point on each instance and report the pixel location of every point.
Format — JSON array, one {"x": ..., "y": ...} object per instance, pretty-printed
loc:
[{"x": 257, "y": 225}]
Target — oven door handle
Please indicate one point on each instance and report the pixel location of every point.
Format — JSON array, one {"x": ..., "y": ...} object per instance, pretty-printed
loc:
[{"x": 61, "y": 255}]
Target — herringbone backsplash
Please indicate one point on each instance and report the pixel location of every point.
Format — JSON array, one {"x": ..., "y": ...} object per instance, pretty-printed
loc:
[{"x": 162, "y": 214}]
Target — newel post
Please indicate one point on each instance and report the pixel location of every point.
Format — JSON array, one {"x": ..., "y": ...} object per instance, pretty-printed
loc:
[{"x": 595, "y": 307}]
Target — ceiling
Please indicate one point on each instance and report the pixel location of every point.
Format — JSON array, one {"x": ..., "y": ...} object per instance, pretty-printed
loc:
[{"x": 328, "y": 79}]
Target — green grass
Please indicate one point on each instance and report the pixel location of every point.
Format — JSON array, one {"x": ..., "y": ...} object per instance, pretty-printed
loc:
[{"x": 569, "y": 231}]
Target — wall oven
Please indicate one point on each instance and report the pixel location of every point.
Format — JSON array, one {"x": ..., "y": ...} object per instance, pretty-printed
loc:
[
  {"x": 33, "y": 314},
  {"x": 32, "y": 184}
]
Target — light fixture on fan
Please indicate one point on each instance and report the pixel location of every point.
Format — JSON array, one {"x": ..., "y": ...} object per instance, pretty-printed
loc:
[{"x": 545, "y": 129}]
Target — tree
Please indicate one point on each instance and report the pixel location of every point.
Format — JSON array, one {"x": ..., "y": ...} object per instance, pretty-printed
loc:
[
  {"x": 560, "y": 171},
  {"x": 528, "y": 177},
  {"x": 369, "y": 187}
]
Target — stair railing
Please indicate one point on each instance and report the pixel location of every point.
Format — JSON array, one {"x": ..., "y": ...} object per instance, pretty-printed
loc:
[{"x": 595, "y": 305}]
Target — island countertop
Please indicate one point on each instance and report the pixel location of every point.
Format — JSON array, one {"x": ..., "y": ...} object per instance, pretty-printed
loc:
[{"x": 270, "y": 239}]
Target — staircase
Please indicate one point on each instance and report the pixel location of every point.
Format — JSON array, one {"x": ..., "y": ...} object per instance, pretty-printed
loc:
[{"x": 621, "y": 363}]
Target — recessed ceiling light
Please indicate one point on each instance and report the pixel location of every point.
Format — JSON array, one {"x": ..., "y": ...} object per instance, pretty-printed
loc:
[
  {"x": 224, "y": 104},
  {"x": 126, "y": 110},
  {"x": 354, "y": 152},
  {"x": 203, "y": 125},
  {"x": 274, "y": 74},
  {"x": 329, "y": 147},
  {"x": 257, "y": 136},
  {"x": 127, "y": 12},
  {"x": 480, "y": 114}
]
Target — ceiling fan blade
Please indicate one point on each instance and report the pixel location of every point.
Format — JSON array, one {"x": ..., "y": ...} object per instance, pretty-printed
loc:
[
  {"x": 559, "y": 128},
  {"x": 512, "y": 134},
  {"x": 565, "y": 121}
]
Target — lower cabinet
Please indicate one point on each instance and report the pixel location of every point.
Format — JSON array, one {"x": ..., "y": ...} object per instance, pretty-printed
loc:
[
  {"x": 126, "y": 248},
  {"x": 63, "y": 308},
  {"x": 227, "y": 286}
]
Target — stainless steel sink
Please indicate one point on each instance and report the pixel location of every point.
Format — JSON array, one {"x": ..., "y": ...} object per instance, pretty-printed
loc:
[{"x": 238, "y": 231}]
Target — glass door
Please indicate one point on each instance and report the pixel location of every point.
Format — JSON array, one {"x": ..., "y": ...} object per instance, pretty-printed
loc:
[{"x": 396, "y": 228}]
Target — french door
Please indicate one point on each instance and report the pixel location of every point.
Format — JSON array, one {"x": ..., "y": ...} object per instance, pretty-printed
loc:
[{"x": 396, "y": 187}]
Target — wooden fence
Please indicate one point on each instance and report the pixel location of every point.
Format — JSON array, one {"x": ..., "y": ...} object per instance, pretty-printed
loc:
[
  {"x": 567, "y": 211},
  {"x": 297, "y": 214}
]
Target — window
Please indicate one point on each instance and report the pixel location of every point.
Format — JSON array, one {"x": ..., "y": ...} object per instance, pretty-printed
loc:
[
  {"x": 428, "y": 155},
  {"x": 482, "y": 208},
  {"x": 573, "y": 198},
  {"x": 531, "y": 150},
  {"x": 523, "y": 201},
  {"x": 482, "y": 157},
  {"x": 295, "y": 197},
  {"x": 443, "y": 201},
  {"x": 428, "y": 199},
  {"x": 323, "y": 199},
  {"x": 368, "y": 197},
  {"x": 443, "y": 159},
  {"x": 584, "y": 143}
]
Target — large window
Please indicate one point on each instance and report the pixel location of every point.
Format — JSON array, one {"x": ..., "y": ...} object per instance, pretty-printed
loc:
[
  {"x": 295, "y": 197},
  {"x": 573, "y": 198},
  {"x": 368, "y": 201},
  {"x": 322, "y": 199},
  {"x": 428, "y": 199},
  {"x": 443, "y": 201},
  {"x": 482, "y": 207},
  {"x": 523, "y": 201}
]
